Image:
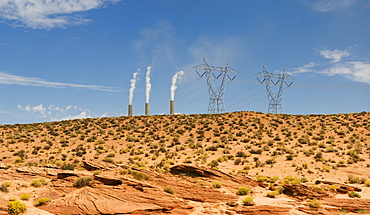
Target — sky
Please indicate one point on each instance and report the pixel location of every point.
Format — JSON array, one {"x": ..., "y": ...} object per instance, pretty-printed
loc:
[{"x": 69, "y": 59}]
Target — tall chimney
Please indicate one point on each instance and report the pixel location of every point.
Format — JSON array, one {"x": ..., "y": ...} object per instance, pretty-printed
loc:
[
  {"x": 172, "y": 107},
  {"x": 129, "y": 110},
  {"x": 147, "y": 109}
]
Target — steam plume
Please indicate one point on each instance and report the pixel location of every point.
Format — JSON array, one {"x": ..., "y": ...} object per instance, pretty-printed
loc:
[
  {"x": 133, "y": 86},
  {"x": 173, "y": 85},
  {"x": 148, "y": 85}
]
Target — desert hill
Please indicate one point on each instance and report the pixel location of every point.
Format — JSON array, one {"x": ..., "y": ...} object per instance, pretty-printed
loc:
[{"x": 189, "y": 164}]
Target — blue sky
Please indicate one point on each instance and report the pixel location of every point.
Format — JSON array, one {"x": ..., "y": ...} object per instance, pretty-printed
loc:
[{"x": 66, "y": 59}]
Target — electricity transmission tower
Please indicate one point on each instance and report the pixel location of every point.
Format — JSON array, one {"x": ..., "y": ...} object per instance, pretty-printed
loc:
[
  {"x": 216, "y": 90},
  {"x": 275, "y": 99}
]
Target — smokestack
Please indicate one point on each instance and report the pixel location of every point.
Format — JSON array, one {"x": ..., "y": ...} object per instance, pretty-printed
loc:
[
  {"x": 147, "y": 109},
  {"x": 129, "y": 110},
  {"x": 172, "y": 107}
]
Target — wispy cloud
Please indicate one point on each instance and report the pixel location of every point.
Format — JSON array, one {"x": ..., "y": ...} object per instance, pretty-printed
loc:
[
  {"x": 332, "y": 5},
  {"x": 10, "y": 79},
  {"x": 335, "y": 55},
  {"x": 358, "y": 71},
  {"x": 56, "y": 113},
  {"x": 47, "y": 14},
  {"x": 34, "y": 109}
]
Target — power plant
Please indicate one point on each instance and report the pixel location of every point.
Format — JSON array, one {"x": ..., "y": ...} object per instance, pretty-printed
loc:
[
  {"x": 147, "y": 109},
  {"x": 216, "y": 86},
  {"x": 172, "y": 107},
  {"x": 129, "y": 110}
]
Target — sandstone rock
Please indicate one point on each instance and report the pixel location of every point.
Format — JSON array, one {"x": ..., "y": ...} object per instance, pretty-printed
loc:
[
  {"x": 107, "y": 180},
  {"x": 350, "y": 205},
  {"x": 341, "y": 188},
  {"x": 263, "y": 210},
  {"x": 95, "y": 165},
  {"x": 62, "y": 175},
  {"x": 302, "y": 191}
]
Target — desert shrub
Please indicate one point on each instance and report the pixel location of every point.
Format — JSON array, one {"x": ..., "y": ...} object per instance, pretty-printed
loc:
[
  {"x": 289, "y": 157},
  {"x": 108, "y": 160},
  {"x": 243, "y": 191},
  {"x": 169, "y": 190},
  {"x": 354, "y": 180},
  {"x": 332, "y": 187},
  {"x": 272, "y": 194},
  {"x": 16, "y": 207},
  {"x": 82, "y": 181},
  {"x": 97, "y": 172},
  {"x": 4, "y": 187},
  {"x": 291, "y": 180},
  {"x": 314, "y": 203},
  {"x": 237, "y": 161},
  {"x": 139, "y": 175},
  {"x": 25, "y": 196},
  {"x": 216, "y": 185},
  {"x": 270, "y": 161},
  {"x": 261, "y": 178},
  {"x": 367, "y": 183},
  {"x": 273, "y": 179},
  {"x": 248, "y": 201},
  {"x": 39, "y": 182},
  {"x": 353, "y": 194},
  {"x": 67, "y": 167},
  {"x": 42, "y": 201}
]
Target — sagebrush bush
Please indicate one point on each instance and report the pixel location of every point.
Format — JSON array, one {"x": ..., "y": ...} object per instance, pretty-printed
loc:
[
  {"x": 25, "y": 196},
  {"x": 4, "y": 187},
  {"x": 272, "y": 194},
  {"x": 248, "y": 201},
  {"x": 39, "y": 182},
  {"x": 314, "y": 203},
  {"x": 139, "y": 175},
  {"x": 243, "y": 191},
  {"x": 82, "y": 181},
  {"x": 16, "y": 207},
  {"x": 42, "y": 201},
  {"x": 216, "y": 185},
  {"x": 67, "y": 167},
  {"x": 169, "y": 190},
  {"x": 353, "y": 194}
]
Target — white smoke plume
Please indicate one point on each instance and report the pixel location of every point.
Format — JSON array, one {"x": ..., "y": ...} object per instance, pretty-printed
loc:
[
  {"x": 147, "y": 84},
  {"x": 173, "y": 85},
  {"x": 133, "y": 86}
]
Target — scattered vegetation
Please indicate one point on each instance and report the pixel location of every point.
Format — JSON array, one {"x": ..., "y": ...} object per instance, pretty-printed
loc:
[
  {"x": 42, "y": 201},
  {"x": 39, "y": 182},
  {"x": 169, "y": 190},
  {"x": 243, "y": 191},
  {"x": 82, "y": 181},
  {"x": 248, "y": 201},
  {"x": 16, "y": 207}
]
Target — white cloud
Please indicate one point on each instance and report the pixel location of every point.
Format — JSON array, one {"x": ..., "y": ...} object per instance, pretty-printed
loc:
[
  {"x": 34, "y": 109},
  {"x": 303, "y": 69},
  {"x": 81, "y": 115},
  {"x": 47, "y": 14},
  {"x": 335, "y": 55},
  {"x": 56, "y": 113},
  {"x": 6, "y": 78},
  {"x": 356, "y": 71},
  {"x": 331, "y": 5}
]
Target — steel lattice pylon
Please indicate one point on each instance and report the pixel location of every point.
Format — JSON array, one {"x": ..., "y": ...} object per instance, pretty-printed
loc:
[
  {"x": 216, "y": 93},
  {"x": 275, "y": 99}
]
